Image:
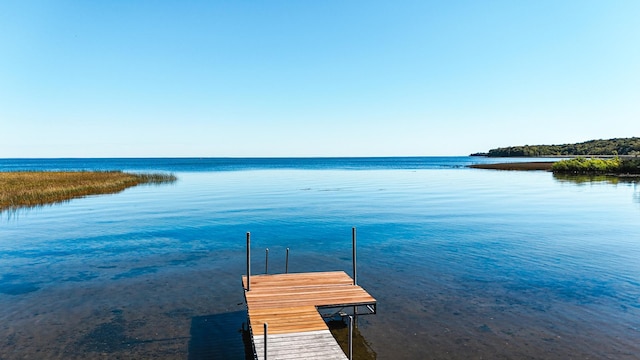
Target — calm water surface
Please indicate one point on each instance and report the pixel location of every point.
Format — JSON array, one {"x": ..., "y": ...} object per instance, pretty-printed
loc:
[{"x": 464, "y": 263}]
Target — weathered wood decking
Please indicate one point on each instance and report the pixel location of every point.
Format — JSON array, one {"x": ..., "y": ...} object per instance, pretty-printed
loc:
[
  {"x": 310, "y": 345},
  {"x": 289, "y": 304}
]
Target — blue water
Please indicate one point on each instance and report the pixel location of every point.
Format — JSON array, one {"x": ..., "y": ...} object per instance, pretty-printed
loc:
[
  {"x": 464, "y": 263},
  {"x": 241, "y": 164}
]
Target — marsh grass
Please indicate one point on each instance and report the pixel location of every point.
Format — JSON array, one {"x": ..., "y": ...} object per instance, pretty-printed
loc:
[
  {"x": 595, "y": 166},
  {"x": 24, "y": 189},
  {"x": 582, "y": 165}
]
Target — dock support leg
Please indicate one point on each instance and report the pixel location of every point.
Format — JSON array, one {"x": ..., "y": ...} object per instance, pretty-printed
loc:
[
  {"x": 266, "y": 328},
  {"x": 350, "y": 337},
  {"x": 355, "y": 316}
]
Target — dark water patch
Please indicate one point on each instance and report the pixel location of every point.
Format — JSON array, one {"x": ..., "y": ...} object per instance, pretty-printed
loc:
[
  {"x": 188, "y": 260},
  {"x": 12, "y": 284},
  {"x": 580, "y": 291},
  {"x": 219, "y": 336},
  {"x": 9, "y": 277},
  {"x": 135, "y": 272},
  {"x": 484, "y": 328},
  {"x": 108, "y": 337},
  {"x": 38, "y": 254},
  {"x": 82, "y": 276},
  {"x": 113, "y": 338},
  {"x": 18, "y": 288},
  {"x": 179, "y": 313}
]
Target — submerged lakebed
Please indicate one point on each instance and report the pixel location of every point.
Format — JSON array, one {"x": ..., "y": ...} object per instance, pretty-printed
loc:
[{"x": 464, "y": 263}]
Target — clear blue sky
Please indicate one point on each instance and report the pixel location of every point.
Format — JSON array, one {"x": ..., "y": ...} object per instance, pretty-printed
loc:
[{"x": 313, "y": 78}]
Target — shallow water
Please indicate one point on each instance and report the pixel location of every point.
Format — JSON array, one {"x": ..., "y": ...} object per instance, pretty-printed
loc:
[{"x": 464, "y": 263}]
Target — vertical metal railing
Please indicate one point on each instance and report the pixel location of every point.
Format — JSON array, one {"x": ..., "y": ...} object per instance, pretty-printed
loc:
[
  {"x": 286, "y": 263},
  {"x": 248, "y": 261},
  {"x": 355, "y": 261},
  {"x": 266, "y": 261}
]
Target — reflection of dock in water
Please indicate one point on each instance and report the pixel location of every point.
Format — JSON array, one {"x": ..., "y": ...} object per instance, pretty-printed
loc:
[
  {"x": 284, "y": 311},
  {"x": 361, "y": 348}
]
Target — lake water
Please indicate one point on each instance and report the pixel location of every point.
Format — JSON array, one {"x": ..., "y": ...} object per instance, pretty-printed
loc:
[{"x": 464, "y": 263}]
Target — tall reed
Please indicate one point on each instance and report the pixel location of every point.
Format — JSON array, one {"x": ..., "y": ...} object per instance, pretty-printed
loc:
[{"x": 34, "y": 188}]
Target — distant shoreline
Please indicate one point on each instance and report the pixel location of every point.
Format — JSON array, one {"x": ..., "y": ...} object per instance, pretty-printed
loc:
[
  {"x": 521, "y": 166},
  {"x": 555, "y": 156},
  {"x": 591, "y": 148}
]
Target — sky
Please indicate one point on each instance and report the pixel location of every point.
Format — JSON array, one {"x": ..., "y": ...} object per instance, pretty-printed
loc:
[{"x": 275, "y": 78}]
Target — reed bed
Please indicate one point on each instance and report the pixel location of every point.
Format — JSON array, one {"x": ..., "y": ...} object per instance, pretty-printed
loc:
[{"x": 35, "y": 188}]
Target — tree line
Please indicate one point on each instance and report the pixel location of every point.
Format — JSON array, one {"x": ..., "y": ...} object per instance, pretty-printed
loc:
[{"x": 618, "y": 146}]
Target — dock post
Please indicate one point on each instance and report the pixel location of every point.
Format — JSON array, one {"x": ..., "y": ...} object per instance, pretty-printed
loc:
[
  {"x": 355, "y": 262},
  {"x": 286, "y": 263},
  {"x": 248, "y": 261},
  {"x": 266, "y": 328},
  {"x": 350, "y": 337},
  {"x": 266, "y": 262}
]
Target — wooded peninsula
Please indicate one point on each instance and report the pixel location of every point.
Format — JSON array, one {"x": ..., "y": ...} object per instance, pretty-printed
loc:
[{"x": 592, "y": 148}]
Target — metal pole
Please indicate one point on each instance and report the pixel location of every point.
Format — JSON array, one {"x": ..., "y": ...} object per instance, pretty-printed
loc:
[
  {"x": 286, "y": 263},
  {"x": 350, "y": 337},
  {"x": 248, "y": 261},
  {"x": 266, "y": 262},
  {"x": 266, "y": 328},
  {"x": 355, "y": 262}
]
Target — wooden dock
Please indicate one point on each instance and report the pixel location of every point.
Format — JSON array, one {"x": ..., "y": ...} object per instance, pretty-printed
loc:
[{"x": 289, "y": 304}]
